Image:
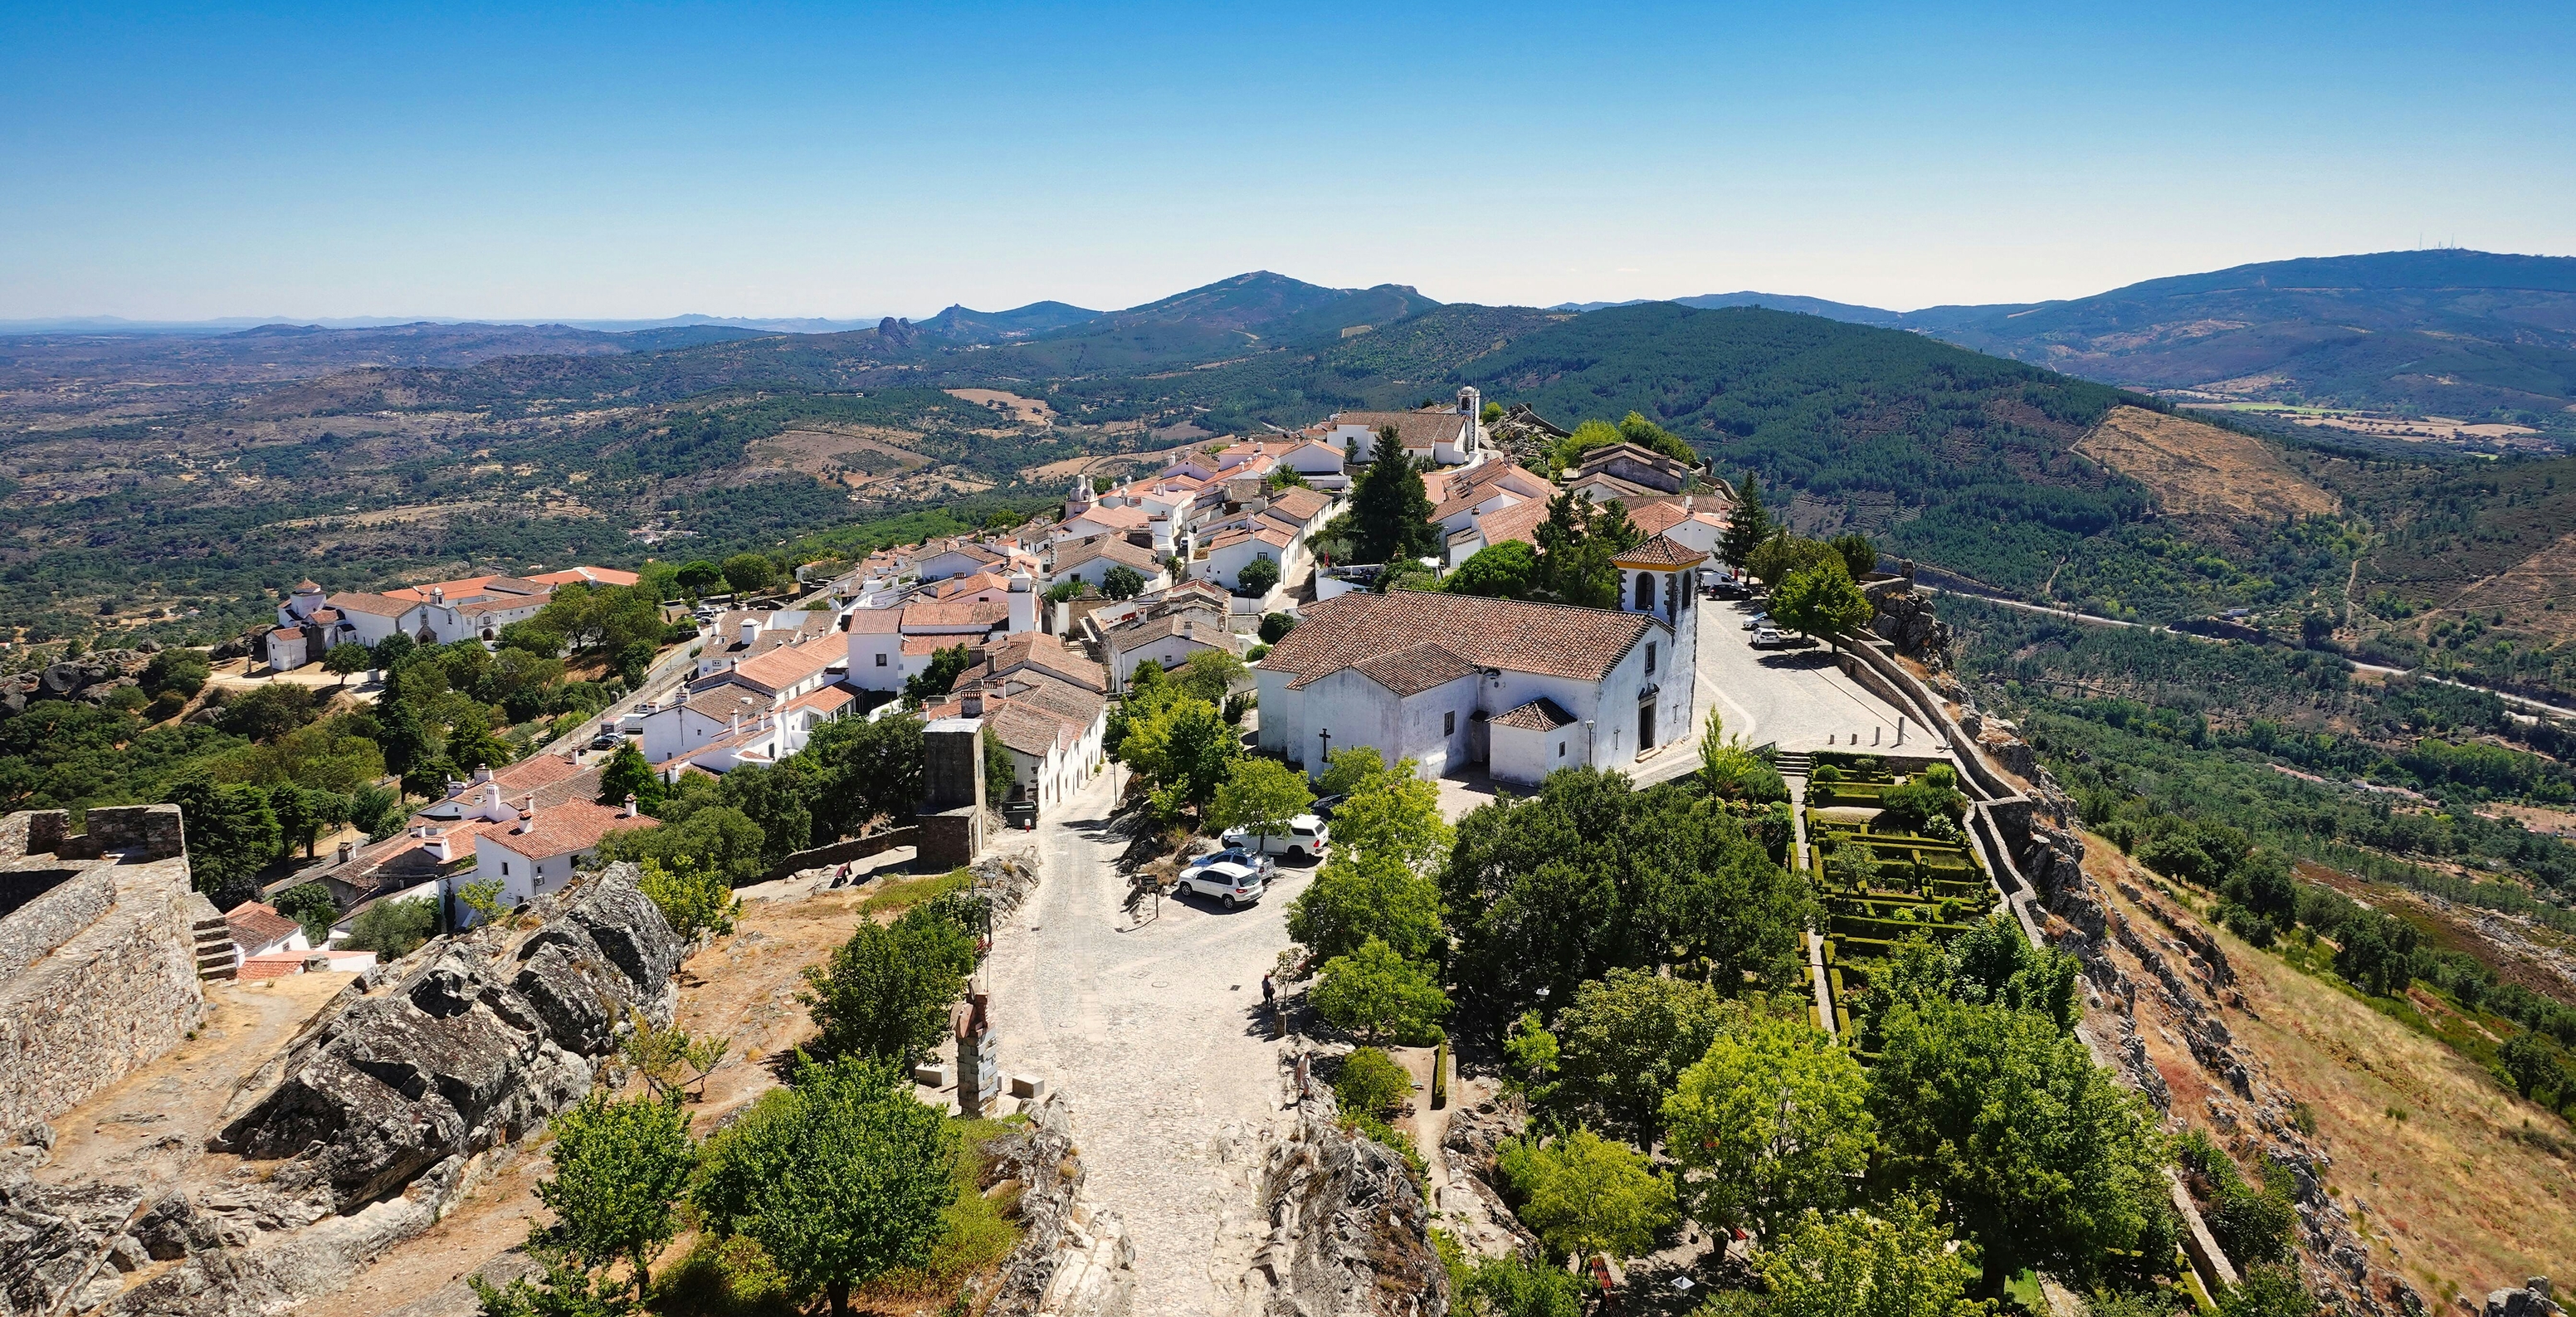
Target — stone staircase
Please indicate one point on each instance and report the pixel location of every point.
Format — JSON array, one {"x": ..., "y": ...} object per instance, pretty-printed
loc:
[
  {"x": 214, "y": 946},
  {"x": 1793, "y": 763}
]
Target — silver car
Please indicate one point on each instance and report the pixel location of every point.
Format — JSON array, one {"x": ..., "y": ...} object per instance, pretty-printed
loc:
[{"x": 1233, "y": 885}]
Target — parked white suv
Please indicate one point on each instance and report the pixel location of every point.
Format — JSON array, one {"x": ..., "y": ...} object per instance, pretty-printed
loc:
[
  {"x": 1233, "y": 884},
  {"x": 1306, "y": 836}
]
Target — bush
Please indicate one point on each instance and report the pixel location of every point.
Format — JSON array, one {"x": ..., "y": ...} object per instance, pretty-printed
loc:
[
  {"x": 1276, "y": 626},
  {"x": 1512, "y": 1286},
  {"x": 724, "y": 1277},
  {"x": 693, "y": 900},
  {"x": 393, "y": 929},
  {"x": 1371, "y": 1082},
  {"x": 2253, "y": 1225},
  {"x": 309, "y": 904}
]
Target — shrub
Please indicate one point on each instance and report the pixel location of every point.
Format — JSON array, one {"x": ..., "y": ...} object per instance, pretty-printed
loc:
[
  {"x": 731, "y": 1276},
  {"x": 1372, "y": 1082},
  {"x": 393, "y": 929},
  {"x": 692, "y": 899},
  {"x": 1275, "y": 627}
]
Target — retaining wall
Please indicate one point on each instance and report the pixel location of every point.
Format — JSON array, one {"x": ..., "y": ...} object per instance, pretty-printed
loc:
[{"x": 112, "y": 996}]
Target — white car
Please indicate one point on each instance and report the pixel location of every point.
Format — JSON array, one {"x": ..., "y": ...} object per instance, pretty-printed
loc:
[
  {"x": 1765, "y": 638},
  {"x": 1306, "y": 836},
  {"x": 1757, "y": 621},
  {"x": 1233, "y": 884}
]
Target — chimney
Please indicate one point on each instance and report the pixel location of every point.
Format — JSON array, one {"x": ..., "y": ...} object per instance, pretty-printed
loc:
[
  {"x": 630, "y": 804},
  {"x": 438, "y": 594},
  {"x": 750, "y": 631},
  {"x": 971, "y": 704},
  {"x": 483, "y": 774},
  {"x": 347, "y": 849},
  {"x": 528, "y": 814}
]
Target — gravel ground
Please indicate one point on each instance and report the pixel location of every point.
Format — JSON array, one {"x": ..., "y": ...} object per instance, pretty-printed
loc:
[{"x": 1153, "y": 1034}]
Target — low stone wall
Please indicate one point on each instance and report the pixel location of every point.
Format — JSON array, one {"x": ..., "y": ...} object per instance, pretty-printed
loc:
[
  {"x": 71, "y": 900},
  {"x": 842, "y": 852},
  {"x": 115, "y": 994}
]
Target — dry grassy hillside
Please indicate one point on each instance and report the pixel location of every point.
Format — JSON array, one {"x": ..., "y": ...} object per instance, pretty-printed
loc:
[{"x": 2199, "y": 470}]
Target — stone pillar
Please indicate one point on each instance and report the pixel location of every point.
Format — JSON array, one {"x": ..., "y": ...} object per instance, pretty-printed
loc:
[
  {"x": 979, "y": 1067},
  {"x": 951, "y": 814}
]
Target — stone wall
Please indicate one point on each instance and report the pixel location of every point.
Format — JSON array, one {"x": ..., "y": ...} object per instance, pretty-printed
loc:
[{"x": 98, "y": 973}]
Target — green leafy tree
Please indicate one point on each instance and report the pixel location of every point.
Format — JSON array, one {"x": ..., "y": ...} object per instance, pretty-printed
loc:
[
  {"x": 673, "y": 1064},
  {"x": 2041, "y": 1157},
  {"x": 1212, "y": 674},
  {"x": 184, "y": 671},
  {"x": 1256, "y": 577},
  {"x": 1514, "y": 1286},
  {"x": 1276, "y": 626},
  {"x": 750, "y": 573},
  {"x": 309, "y": 904},
  {"x": 1729, "y": 770},
  {"x": 302, "y": 815},
  {"x": 619, "y": 1170},
  {"x": 1370, "y": 1081},
  {"x": 628, "y": 773},
  {"x": 1350, "y": 768},
  {"x": 1509, "y": 570},
  {"x": 698, "y": 577},
  {"x": 840, "y": 1179},
  {"x": 483, "y": 898},
  {"x": 1896, "y": 1262},
  {"x": 1583, "y": 1194},
  {"x": 1376, "y": 993},
  {"x": 1622, "y": 1044},
  {"x": 700, "y": 831},
  {"x": 1860, "y": 557},
  {"x": 2268, "y": 1290},
  {"x": 693, "y": 899},
  {"x": 1260, "y": 796},
  {"x": 1287, "y": 477},
  {"x": 1122, "y": 582},
  {"x": 1358, "y": 896},
  {"x": 777, "y": 798},
  {"x": 1390, "y": 509},
  {"x": 392, "y": 650},
  {"x": 1001, "y": 770},
  {"x": 1784, "y": 555},
  {"x": 393, "y": 929},
  {"x": 1185, "y": 750},
  {"x": 1771, "y": 1120},
  {"x": 1821, "y": 600},
  {"x": 345, "y": 660},
  {"x": 885, "y": 993},
  {"x": 1577, "y": 544},
  {"x": 563, "y": 1288},
  {"x": 939, "y": 677},
  {"x": 232, "y": 835},
  {"x": 1395, "y": 814},
  {"x": 1748, "y": 524}
]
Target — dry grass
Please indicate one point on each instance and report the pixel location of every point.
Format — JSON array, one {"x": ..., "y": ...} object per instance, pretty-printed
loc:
[
  {"x": 2460, "y": 1185},
  {"x": 2196, "y": 469}
]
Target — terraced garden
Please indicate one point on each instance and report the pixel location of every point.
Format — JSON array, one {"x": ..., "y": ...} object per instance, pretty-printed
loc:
[{"x": 1880, "y": 880}]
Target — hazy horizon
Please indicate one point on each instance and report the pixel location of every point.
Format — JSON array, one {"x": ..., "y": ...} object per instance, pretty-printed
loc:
[{"x": 827, "y": 162}]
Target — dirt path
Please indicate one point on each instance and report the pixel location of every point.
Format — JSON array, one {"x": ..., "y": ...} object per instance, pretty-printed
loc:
[{"x": 1153, "y": 1035}]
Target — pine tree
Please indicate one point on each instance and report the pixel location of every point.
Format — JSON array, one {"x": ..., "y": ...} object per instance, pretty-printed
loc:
[
  {"x": 1749, "y": 525},
  {"x": 1391, "y": 509}
]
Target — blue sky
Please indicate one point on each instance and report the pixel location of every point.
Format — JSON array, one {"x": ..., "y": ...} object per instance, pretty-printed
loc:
[{"x": 858, "y": 160}]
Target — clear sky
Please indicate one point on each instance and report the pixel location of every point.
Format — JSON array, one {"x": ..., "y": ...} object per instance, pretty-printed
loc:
[{"x": 856, "y": 160}]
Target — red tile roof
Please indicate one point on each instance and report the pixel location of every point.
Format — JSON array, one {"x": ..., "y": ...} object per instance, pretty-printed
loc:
[
  {"x": 258, "y": 924},
  {"x": 1660, "y": 552},
  {"x": 957, "y": 613},
  {"x": 789, "y": 664},
  {"x": 1416, "y": 668},
  {"x": 1556, "y": 640},
  {"x": 1539, "y": 715},
  {"x": 566, "y": 829}
]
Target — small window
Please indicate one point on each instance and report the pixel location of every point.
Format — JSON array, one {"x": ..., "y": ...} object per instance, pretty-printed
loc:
[
  {"x": 1449, "y": 723},
  {"x": 505, "y": 868},
  {"x": 1650, "y": 656},
  {"x": 880, "y": 660},
  {"x": 1560, "y": 749}
]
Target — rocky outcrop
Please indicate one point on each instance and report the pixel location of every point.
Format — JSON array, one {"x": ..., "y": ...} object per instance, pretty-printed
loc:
[
  {"x": 89, "y": 679},
  {"x": 2532, "y": 1300},
  {"x": 1466, "y": 1201},
  {"x": 1349, "y": 1233},
  {"x": 1905, "y": 619},
  {"x": 391, "y": 1105},
  {"x": 1073, "y": 1260}
]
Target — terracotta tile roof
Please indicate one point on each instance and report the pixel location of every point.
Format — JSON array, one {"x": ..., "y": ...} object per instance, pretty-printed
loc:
[
  {"x": 1302, "y": 504},
  {"x": 1660, "y": 551},
  {"x": 785, "y": 666},
  {"x": 1412, "y": 429},
  {"x": 1539, "y": 715},
  {"x": 1124, "y": 517},
  {"x": 1555, "y": 640},
  {"x": 374, "y": 605},
  {"x": 1137, "y": 635},
  {"x": 829, "y": 699},
  {"x": 565, "y": 829},
  {"x": 276, "y": 965},
  {"x": 1058, "y": 697},
  {"x": 1036, "y": 651},
  {"x": 1416, "y": 668},
  {"x": 1234, "y": 535},
  {"x": 985, "y": 613},
  {"x": 1520, "y": 521},
  {"x": 875, "y": 621},
  {"x": 1601, "y": 458},
  {"x": 258, "y": 924},
  {"x": 1657, "y": 516},
  {"x": 538, "y": 771},
  {"x": 934, "y": 644},
  {"x": 1074, "y": 553},
  {"x": 588, "y": 575},
  {"x": 1027, "y": 729}
]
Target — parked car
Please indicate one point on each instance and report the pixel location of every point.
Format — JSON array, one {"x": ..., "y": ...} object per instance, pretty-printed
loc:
[
  {"x": 1757, "y": 621},
  {"x": 1233, "y": 885},
  {"x": 1325, "y": 805},
  {"x": 1766, "y": 638},
  {"x": 1234, "y": 855},
  {"x": 606, "y": 741},
  {"x": 1306, "y": 836}
]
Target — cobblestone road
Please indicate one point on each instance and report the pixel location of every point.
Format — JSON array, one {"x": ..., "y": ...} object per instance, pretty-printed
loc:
[{"x": 1153, "y": 1034}]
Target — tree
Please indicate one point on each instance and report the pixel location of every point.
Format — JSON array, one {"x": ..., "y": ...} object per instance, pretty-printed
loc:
[
  {"x": 1255, "y": 578},
  {"x": 628, "y": 773},
  {"x": 1358, "y": 896},
  {"x": 1001, "y": 770},
  {"x": 699, "y": 831},
  {"x": 1896, "y": 1263},
  {"x": 1390, "y": 510},
  {"x": 483, "y": 898},
  {"x": 885, "y": 993},
  {"x": 1860, "y": 557},
  {"x": 1260, "y": 796},
  {"x": 1184, "y": 749},
  {"x": 345, "y": 658},
  {"x": 673, "y": 1064},
  {"x": 2041, "y": 1157},
  {"x": 840, "y": 1179},
  {"x": 299, "y": 815},
  {"x": 775, "y": 797},
  {"x": 184, "y": 671},
  {"x": 232, "y": 835},
  {"x": 1772, "y": 1119},
  {"x": 1376, "y": 993},
  {"x": 1287, "y": 477},
  {"x": 1509, "y": 570},
  {"x": 619, "y": 1169},
  {"x": 1395, "y": 814},
  {"x": 1514, "y": 1286},
  {"x": 1747, "y": 524},
  {"x": 1212, "y": 674},
  {"x": 309, "y": 904},
  {"x": 692, "y": 898},
  {"x": 1624, "y": 1041},
  {"x": 1122, "y": 582},
  {"x": 939, "y": 677},
  {"x": 393, "y": 929},
  {"x": 2268, "y": 1290},
  {"x": 699, "y": 577},
  {"x": 750, "y": 573},
  {"x": 1352, "y": 767},
  {"x": 1276, "y": 626},
  {"x": 862, "y": 770},
  {"x": 270, "y": 712},
  {"x": 1583, "y": 1194},
  {"x": 1577, "y": 543},
  {"x": 1820, "y": 600},
  {"x": 1370, "y": 1081},
  {"x": 1729, "y": 770},
  {"x": 1784, "y": 555},
  {"x": 392, "y": 650}
]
